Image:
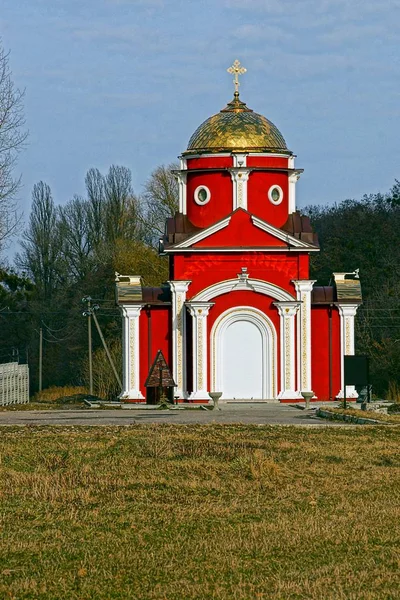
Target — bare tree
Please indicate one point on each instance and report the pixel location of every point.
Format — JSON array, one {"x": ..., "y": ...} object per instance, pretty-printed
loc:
[
  {"x": 160, "y": 201},
  {"x": 77, "y": 243},
  {"x": 12, "y": 138},
  {"x": 42, "y": 242}
]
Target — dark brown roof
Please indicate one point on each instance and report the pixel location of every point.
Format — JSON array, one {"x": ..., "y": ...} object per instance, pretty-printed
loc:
[
  {"x": 299, "y": 227},
  {"x": 178, "y": 228},
  {"x": 323, "y": 295},
  {"x": 156, "y": 295}
]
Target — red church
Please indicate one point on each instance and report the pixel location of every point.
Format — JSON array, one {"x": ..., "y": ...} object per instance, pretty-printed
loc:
[{"x": 239, "y": 314}]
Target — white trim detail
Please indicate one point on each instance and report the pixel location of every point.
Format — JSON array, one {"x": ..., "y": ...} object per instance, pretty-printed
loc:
[
  {"x": 293, "y": 179},
  {"x": 287, "y": 312},
  {"x": 179, "y": 289},
  {"x": 240, "y": 178},
  {"x": 216, "y": 155},
  {"x": 269, "y": 345},
  {"x": 176, "y": 250},
  {"x": 182, "y": 180},
  {"x": 196, "y": 195},
  {"x": 347, "y": 313},
  {"x": 130, "y": 349},
  {"x": 271, "y": 154},
  {"x": 303, "y": 290},
  {"x": 197, "y": 237},
  {"x": 242, "y": 284},
  {"x": 281, "y": 235},
  {"x": 199, "y": 313},
  {"x": 270, "y": 198}
]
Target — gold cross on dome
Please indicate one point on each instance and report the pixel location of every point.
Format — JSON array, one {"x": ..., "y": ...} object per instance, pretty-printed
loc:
[{"x": 236, "y": 70}]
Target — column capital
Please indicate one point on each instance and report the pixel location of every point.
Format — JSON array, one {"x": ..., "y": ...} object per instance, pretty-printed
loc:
[
  {"x": 199, "y": 309},
  {"x": 303, "y": 285},
  {"x": 347, "y": 310},
  {"x": 287, "y": 308},
  {"x": 131, "y": 310},
  {"x": 179, "y": 286},
  {"x": 239, "y": 174}
]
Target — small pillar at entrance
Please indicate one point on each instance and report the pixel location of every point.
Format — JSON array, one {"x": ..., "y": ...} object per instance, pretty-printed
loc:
[
  {"x": 199, "y": 313},
  {"x": 287, "y": 313}
]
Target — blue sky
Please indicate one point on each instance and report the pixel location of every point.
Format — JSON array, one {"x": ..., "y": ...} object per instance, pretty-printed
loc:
[{"x": 128, "y": 81}]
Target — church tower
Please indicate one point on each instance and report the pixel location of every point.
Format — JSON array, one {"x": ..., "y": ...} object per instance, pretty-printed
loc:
[{"x": 237, "y": 315}]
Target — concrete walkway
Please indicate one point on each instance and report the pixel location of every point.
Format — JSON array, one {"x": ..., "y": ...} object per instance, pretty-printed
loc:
[{"x": 257, "y": 413}]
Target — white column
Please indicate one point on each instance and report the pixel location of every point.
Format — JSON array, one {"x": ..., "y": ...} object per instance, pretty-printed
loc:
[
  {"x": 303, "y": 291},
  {"x": 287, "y": 313},
  {"x": 347, "y": 313},
  {"x": 182, "y": 179},
  {"x": 130, "y": 351},
  {"x": 293, "y": 179},
  {"x": 199, "y": 312},
  {"x": 179, "y": 289}
]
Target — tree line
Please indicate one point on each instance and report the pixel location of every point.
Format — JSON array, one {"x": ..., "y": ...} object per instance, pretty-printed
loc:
[{"x": 70, "y": 251}]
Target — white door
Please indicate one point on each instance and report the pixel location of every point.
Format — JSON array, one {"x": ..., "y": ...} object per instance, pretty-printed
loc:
[{"x": 243, "y": 363}]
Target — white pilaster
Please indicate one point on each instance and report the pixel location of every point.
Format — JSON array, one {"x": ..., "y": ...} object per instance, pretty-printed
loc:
[
  {"x": 293, "y": 179},
  {"x": 130, "y": 349},
  {"x": 182, "y": 187},
  {"x": 287, "y": 313},
  {"x": 347, "y": 313},
  {"x": 179, "y": 289},
  {"x": 240, "y": 176},
  {"x": 199, "y": 313},
  {"x": 303, "y": 291},
  {"x": 239, "y": 179}
]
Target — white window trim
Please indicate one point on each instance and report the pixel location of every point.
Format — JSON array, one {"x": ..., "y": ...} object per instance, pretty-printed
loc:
[
  {"x": 275, "y": 202},
  {"x": 196, "y": 195}
]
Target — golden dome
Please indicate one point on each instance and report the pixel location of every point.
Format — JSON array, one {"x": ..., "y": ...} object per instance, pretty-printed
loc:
[{"x": 237, "y": 128}]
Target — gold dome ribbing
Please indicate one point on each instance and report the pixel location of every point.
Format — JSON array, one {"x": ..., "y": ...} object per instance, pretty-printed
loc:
[{"x": 237, "y": 128}]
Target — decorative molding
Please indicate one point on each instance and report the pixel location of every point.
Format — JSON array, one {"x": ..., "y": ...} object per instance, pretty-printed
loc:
[
  {"x": 197, "y": 198},
  {"x": 176, "y": 250},
  {"x": 182, "y": 179},
  {"x": 287, "y": 312},
  {"x": 269, "y": 341},
  {"x": 281, "y": 235},
  {"x": 243, "y": 284},
  {"x": 303, "y": 290},
  {"x": 240, "y": 177},
  {"x": 347, "y": 312},
  {"x": 199, "y": 313},
  {"x": 270, "y": 198},
  {"x": 197, "y": 237},
  {"x": 130, "y": 351},
  {"x": 293, "y": 179},
  {"x": 179, "y": 289}
]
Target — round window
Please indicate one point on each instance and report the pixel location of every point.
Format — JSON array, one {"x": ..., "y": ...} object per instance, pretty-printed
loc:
[
  {"x": 275, "y": 194},
  {"x": 202, "y": 195}
]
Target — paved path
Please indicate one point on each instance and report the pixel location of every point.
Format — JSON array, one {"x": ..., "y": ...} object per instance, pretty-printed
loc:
[{"x": 259, "y": 414}]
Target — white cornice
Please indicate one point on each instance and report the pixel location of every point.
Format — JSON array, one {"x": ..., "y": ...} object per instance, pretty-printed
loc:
[
  {"x": 218, "y": 250},
  {"x": 243, "y": 284},
  {"x": 197, "y": 237},
  {"x": 281, "y": 235}
]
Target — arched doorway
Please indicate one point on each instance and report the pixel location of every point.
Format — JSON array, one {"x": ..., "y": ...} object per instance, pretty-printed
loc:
[{"x": 243, "y": 355}]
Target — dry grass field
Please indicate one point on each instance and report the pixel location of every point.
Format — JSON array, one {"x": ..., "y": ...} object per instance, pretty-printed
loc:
[{"x": 205, "y": 512}]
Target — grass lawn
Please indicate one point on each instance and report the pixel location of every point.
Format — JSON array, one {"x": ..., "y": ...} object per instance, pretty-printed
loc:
[{"x": 205, "y": 512}]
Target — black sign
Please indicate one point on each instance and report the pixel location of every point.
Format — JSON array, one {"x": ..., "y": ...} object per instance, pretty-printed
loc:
[{"x": 356, "y": 370}]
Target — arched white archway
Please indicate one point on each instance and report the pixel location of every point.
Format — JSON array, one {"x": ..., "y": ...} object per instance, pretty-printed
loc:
[
  {"x": 243, "y": 283},
  {"x": 244, "y": 354}
]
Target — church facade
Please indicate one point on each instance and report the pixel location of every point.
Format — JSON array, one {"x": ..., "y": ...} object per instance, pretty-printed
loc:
[{"x": 239, "y": 314}]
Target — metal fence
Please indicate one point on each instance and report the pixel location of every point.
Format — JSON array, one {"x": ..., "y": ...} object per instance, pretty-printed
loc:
[{"x": 14, "y": 383}]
